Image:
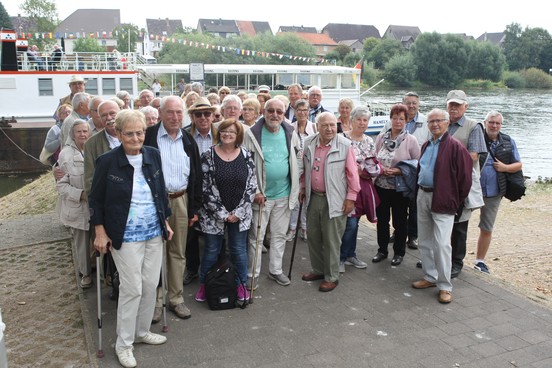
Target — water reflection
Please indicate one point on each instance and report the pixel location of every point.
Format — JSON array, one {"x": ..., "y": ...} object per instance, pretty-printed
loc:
[{"x": 527, "y": 118}]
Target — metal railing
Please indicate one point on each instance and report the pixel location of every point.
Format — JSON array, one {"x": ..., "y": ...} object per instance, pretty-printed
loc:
[{"x": 78, "y": 61}]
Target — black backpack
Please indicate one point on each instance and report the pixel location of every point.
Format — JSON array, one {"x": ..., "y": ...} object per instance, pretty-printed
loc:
[{"x": 220, "y": 285}]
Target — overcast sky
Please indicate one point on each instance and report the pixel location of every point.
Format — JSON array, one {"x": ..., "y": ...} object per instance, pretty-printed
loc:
[{"x": 472, "y": 17}]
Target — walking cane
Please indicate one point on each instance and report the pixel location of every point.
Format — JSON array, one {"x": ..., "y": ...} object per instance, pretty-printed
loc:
[
  {"x": 100, "y": 353},
  {"x": 295, "y": 239},
  {"x": 256, "y": 253},
  {"x": 164, "y": 288}
]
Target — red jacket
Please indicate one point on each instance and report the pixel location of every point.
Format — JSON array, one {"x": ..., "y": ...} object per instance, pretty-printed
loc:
[{"x": 452, "y": 177}]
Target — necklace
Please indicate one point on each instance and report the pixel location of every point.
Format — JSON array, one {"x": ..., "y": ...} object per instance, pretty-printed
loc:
[{"x": 228, "y": 156}]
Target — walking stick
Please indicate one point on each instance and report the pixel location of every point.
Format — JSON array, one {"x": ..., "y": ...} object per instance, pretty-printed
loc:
[
  {"x": 100, "y": 353},
  {"x": 256, "y": 253},
  {"x": 164, "y": 288},
  {"x": 295, "y": 239}
]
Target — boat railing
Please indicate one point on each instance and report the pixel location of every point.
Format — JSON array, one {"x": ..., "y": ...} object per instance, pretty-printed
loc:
[{"x": 77, "y": 61}]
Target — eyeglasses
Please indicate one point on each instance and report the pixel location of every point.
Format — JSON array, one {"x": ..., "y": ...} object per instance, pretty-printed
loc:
[
  {"x": 302, "y": 110},
  {"x": 206, "y": 114},
  {"x": 277, "y": 111},
  {"x": 494, "y": 122},
  {"x": 217, "y": 116},
  {"x": 435, "y": 121},
  {"x": 139, "y": 134},
  {"x": 228, "y": 132}
]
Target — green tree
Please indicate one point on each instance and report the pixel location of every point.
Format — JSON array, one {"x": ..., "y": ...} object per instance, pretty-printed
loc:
[
  {"x": 5, "y": 21},
  {"x": 440, "y": 60},
  {"x": 384, "y": 51},
  {"x": 400, "y": 70},
  {"x": 369, "y": 45},
  {"x": 43, "y": 13},
  {"x": 127, "y": 36},
  {"x": 527, "y": 48},
  {"x": 88, "y": 45},
  {"x": 486, "y": 62}
]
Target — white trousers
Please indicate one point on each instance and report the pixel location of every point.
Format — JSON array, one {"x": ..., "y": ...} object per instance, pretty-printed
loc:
[
  {"x": 434, "y": 231},
  {"x": 139, "y": 266},
  {"x": 277, "y": 212}
]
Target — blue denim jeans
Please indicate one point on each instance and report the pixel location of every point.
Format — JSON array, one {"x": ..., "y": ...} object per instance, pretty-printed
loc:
[
  {"x": 237, "y": 246},
  {"x": 349, "y": 239}
]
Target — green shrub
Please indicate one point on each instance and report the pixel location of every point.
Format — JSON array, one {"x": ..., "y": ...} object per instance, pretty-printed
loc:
[
  {"x": 514, "y": 80},
  {"x": 370, "y": 75},
  {"x": 536, "y": 78},
  {"x": 400, "y": 70}
]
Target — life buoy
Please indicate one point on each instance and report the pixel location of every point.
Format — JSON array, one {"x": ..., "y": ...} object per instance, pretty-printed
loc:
[{"x": 124, "y": 60}]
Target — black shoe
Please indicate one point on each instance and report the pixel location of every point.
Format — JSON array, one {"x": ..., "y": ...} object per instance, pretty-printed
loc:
[
  {"x": 397, "y": 260},
  {"x": 454, "y": 273},
  {"x": 412, "y": 243},
  {"x": 189, "y": 276},
  {"x": 379, "y": 257},
  {"x": 419, "y": 264},
  {"x": 392, "y": 238}
]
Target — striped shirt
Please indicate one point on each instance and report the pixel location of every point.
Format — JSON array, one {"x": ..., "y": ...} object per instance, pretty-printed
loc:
[{"x": 174, "y": 160}]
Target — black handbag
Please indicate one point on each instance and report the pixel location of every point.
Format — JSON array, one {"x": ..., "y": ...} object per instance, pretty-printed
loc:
[{"x": 515, "y": 186}]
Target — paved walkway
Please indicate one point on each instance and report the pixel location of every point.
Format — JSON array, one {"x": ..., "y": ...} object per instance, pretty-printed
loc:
[{"x": 372, "y": 319}]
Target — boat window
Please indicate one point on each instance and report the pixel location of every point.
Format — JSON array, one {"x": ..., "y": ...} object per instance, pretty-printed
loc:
[
  {"x": 92, "y": 86},
  {"x": 108, "y": 86},
  {"x": 126, "y": 85},
  {"x": 45, "y": 87}
]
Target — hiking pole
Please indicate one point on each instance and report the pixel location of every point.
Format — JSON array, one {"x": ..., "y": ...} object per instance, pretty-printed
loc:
[
  {"x": 256, "y": 253},
  {"x": 295, "y": 239},
  {"x": 164, "y": 288},
  {"x": 100, "y": 353}
]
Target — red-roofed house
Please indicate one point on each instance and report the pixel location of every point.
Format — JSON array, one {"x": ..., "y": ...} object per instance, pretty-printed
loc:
[{"x": 321, "y": 42}]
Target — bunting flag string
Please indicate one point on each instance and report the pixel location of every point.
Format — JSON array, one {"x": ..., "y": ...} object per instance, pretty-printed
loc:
[{"x": 165, "y": 39}]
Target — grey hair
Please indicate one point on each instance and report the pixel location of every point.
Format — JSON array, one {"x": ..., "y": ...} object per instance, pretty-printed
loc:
[
  {"x": 229, "y": 98},
  {"x": 442, "y": 112},
  {"x": 122, "y": 94},
  {"x": 165, "y": 99},
  {"x": 93, "y": 100},
  {"x": 314, "y": 89},
  {"x": 79, "y": 98},
  {"x": 360, "y": 112},
  {"x": 149, "y": 110},
  {"x": 492, "y": 114},
  {"x": 301, "y": 102},
  {"x": 144, "y": 91}
]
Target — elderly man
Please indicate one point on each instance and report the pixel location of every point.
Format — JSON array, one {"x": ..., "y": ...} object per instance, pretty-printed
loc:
[
  {"x": 180, "y": 161},
  {"x": 95, "y": 124},
  {"x": 275, "y": 146},
  {"x": 76, "y": 85},
  {"x": 444, "y": 181},
  {"x": 145, "y": 96},
  {"x": 80, "y": 111},
  {"x": 295, "y": 91},
  {"x": 329, "y": 164},
  {"x": 502, "y": 158},
  {"x": 231, "y": 107},
  {"x": 102, "y": 142},
  {"x": 315, "y": 105},
  {"x": 201, "y": 115},
  {"x": 470, "y": 134}
]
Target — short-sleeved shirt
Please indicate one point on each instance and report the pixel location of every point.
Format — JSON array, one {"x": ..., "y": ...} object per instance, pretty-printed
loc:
[{"x": 276, "y": 157}]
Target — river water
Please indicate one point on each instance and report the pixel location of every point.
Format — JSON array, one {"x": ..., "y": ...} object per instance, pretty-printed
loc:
[{"x": 527, "y": 119}]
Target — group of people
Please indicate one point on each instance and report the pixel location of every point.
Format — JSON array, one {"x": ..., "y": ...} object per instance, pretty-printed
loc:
[
  {"x": 44, "y": 62},
  {"x": 130, "y": 185}
]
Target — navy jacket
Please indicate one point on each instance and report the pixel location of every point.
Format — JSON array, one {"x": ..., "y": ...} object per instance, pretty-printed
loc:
[
  {"x": 195, "y": 180},
  {"x": 109, "y": 198}
]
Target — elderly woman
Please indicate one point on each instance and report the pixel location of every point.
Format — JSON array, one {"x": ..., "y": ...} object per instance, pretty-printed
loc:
[
  {"x": 52, "y": 143},
  {"x": 366, "y": 203},
  {"x": 73, "y": 205},
  {"x": 263, "y": 97},
  {"x": 189, "y": 101},
  {"x": 223, "y": 92},
  {"x": 394, "y": 146},
  {"x": 345, "y": 107},
  {"x": 151, "y": 114},
  {"x": 129, "y": 209},
  {"x": 251, "y": 108},
  {"x": 214, "y": 99},
  {"x": 304, "y": 129},
  {"x": 125, "y": 97},
  {"x": 229, "y": 186}
]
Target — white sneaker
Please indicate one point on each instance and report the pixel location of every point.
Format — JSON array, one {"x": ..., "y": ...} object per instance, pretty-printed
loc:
[
  {"x": 341, "y": 266},
  {"x": 151, "y": 338},
  {"x": 126, "y": 357},
  {"x": 303, "y": 234},
  {"x": 354, "y": 261},
  {"x": 290, "y": 235}
]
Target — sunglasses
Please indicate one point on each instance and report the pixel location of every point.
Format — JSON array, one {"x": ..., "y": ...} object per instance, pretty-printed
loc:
[
  {"x": 206, "y": 114},
  {"x": 272, "y": 111}
]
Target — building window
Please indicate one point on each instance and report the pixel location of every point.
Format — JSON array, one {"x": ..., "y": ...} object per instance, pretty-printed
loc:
[
  {"x": 108, "y": 86},
  {"x": 92, "y": 86},
  {"x": 126, "y": 85},
  {"x": 45, "y": 87}
]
